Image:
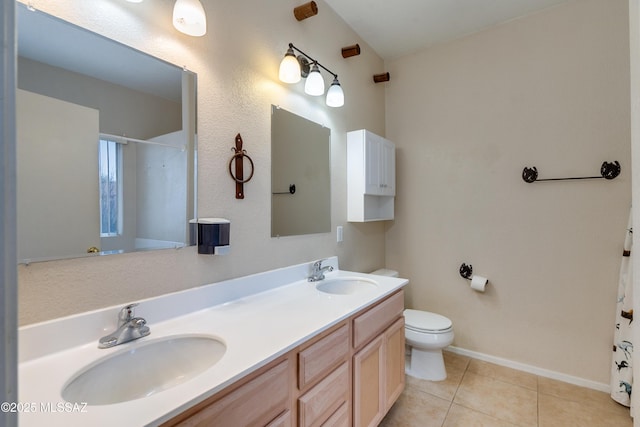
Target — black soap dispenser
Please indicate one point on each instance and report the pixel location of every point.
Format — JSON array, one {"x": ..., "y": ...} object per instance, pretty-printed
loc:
[{"x": 212, "y": 235}]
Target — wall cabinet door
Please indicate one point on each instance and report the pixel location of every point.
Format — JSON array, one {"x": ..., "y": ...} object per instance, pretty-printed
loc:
[
  {"x": 388, "y": 168},
  {"x": 379, "y": 165}
]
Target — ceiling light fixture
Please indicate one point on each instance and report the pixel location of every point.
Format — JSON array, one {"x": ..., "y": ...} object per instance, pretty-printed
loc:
[
  {"x": 189, "y": 17},
  {"x": 293, "y": 68}
]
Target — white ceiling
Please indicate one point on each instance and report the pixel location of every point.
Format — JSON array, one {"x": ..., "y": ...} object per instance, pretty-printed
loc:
[{"x": 394, "y": 28}]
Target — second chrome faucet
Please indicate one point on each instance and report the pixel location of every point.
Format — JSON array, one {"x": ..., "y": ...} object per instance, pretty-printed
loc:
[{"x": 129, "y": 328}]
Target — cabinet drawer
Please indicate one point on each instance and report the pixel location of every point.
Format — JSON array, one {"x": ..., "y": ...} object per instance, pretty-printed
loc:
[
  {"x": 319, "y": 403},
  {"x": 340, "y": 418},
  {"x": 255, "y": 403},
  {"x": 374, "y": 321},
  {"x": 318, "y": 359},
  {"x": 283, "y": 420}
]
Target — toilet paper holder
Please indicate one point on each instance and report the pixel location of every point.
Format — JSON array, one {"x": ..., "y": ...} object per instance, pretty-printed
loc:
[{"x": 466, "y": 271}]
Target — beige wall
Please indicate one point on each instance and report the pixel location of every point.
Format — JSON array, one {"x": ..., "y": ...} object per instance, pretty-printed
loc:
[
  {"x": 123, "y": 111},
  {"x": 550, "y": 90},
  {"x": 237, "y": 65}
]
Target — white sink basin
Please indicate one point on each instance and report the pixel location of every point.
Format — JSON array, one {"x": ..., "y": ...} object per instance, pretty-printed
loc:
[
  {"x": 144, "y": 369},
  {"x": 346, "y": 285}
]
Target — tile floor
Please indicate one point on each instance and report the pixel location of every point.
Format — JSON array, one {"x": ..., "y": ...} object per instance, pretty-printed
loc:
[{"x": 481, "y": 394}]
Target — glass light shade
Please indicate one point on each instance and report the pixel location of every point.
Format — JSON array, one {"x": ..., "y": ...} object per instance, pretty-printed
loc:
[
  {"x": 189, "y": 17},
  {"x": 135, "y": 1},
  {"x": 335, "y": 95},
  {"x": 314, "y": 85},
  {"x": 290, "y": 68}
]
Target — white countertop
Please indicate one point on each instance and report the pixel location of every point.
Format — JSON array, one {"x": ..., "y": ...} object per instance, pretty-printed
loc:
[{"x": 259, "y": 318}]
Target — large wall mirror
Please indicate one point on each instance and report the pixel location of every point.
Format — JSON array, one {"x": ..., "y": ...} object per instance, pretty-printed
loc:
[
  {"x": 300, "y": 175},
  {"x": 106, "y": 144}
]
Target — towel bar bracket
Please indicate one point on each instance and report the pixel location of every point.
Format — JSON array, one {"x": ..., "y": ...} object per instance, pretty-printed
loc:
[{"x": 466, "y": 271}]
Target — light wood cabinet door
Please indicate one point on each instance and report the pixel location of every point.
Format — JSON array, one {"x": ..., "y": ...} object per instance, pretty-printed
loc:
[
  {"x": 368, "y": 384},
  {"x": 394, "y": 360}
]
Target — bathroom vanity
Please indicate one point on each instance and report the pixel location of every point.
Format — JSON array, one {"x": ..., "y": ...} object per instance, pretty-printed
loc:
[
  {"x": 294, "y": 355},
  {"x": 315, "y": 378}
]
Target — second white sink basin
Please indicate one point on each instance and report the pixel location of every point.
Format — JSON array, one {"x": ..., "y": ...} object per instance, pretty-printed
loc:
[
  {"x": 143, "y": 370},
  {"x": 346, "y": 285}
]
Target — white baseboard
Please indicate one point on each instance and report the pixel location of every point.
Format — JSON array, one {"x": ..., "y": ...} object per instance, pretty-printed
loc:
[{"x": 531, "y": 369}]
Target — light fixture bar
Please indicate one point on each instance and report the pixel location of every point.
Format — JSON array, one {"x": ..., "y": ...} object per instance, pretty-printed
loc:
[{"x": 335, "y": 76}]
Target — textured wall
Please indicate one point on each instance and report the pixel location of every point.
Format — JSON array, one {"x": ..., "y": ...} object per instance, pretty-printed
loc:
[
  {"x": 237, "y": 65},
  {"x": 550, "y": 90}
]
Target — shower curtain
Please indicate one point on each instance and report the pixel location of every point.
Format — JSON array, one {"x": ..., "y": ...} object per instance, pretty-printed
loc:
[{"x": 621, "y": 368}]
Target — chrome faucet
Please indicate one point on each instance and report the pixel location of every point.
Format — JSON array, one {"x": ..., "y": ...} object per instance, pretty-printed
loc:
[
  {"x": 129, "y": 328},
  {"x": 317, "y": 271}
]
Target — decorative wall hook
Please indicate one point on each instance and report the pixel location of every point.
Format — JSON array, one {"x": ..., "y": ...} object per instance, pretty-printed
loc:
[
  {"x": 238, "y": 159},
  {"x": 466, "y": 271},
  {"x": 608, "y": 171},
  {"x": 305, "y": 11},
  {"x": 380, "y": 78},
  {"x": 350, "y": 51}
]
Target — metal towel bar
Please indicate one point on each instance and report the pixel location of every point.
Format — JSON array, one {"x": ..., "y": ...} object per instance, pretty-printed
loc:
[{"x": 607, "y": 171}]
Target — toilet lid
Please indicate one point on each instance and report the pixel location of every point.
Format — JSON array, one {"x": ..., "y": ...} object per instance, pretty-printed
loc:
[{"x": 425, "y": 321}]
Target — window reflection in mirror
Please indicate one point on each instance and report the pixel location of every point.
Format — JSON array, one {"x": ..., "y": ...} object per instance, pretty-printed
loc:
[
  {"x": 300, "y": 175},
  {"x": 76, "y": 89}
]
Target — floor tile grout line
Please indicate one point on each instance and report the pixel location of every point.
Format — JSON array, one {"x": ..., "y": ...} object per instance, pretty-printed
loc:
[
  {"x": 453, "y": 397},
  {"x": 444, "y": 420},
  {"x": 493, "y": 378}
]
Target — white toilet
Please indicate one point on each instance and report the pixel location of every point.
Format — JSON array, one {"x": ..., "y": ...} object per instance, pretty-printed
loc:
[{"x": 426, "y": 334}]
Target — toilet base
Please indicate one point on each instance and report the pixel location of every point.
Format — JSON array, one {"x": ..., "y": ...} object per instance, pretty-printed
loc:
[{"x": 426, "y": 365}]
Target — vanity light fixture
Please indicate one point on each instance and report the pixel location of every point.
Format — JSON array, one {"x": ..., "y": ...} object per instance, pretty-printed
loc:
[
  {"x": 290, "y": 70},
  {"x": 189, "y": 17},
  {"x": 335, "y": 95},
  {"x": 314, "y": 85},
  {"x": 135, "y": 1},
  {"x": 293, "y": 68}
]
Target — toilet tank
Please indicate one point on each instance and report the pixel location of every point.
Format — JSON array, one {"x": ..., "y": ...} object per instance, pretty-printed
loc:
[{"x": 385, "y": 272}]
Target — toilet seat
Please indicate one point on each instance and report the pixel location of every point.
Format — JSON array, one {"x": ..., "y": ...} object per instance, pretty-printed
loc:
[{"x": 426, "y": 322}]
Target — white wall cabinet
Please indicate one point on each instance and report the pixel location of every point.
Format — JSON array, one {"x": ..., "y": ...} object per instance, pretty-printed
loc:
[{"x": 371, "y": 177}]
